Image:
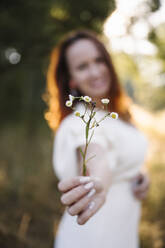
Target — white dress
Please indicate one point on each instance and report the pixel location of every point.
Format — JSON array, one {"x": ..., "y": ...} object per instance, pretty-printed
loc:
[{"x": 115, "y": 225}]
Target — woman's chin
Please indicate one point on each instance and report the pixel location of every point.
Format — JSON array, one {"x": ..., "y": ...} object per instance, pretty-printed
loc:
[{"x": 99, "y": 93}]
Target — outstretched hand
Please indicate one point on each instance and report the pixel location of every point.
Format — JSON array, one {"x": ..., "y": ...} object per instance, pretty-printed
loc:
[
  {"x": 140, "y": 186},
  {"x": 83, "y": 196}
]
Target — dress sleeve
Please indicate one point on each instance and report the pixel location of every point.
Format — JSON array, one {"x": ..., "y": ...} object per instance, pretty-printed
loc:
[
  {"x": 64, "y": 162},
  {"x": 69, "y": 136}
]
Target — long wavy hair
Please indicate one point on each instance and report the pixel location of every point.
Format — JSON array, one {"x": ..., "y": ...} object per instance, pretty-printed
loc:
[{"x": 58, "y": 77}]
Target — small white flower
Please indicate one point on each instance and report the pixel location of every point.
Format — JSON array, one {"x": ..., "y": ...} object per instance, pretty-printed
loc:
[
  {"x": 71, "y": 98},
  {"x": 105, "y": 100},
  {"x": 114, "y": 115},
  {"x": 68, "y": 103},
  {"x": 87, "y": 99},
  {"x": 77, "y": 113}
]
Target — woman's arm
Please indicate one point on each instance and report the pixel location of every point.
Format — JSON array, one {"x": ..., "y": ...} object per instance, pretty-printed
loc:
[
  {"x": 85, "y": 198},
  {"x": 97, "y": 166}
]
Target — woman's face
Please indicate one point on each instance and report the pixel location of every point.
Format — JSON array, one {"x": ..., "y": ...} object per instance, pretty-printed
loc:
[{"x": 89, "y": 73}]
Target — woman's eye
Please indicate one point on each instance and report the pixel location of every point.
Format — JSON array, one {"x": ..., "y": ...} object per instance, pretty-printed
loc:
[
  {"x": 99, "y": 60},
  {"x": 82, "y": 67}
]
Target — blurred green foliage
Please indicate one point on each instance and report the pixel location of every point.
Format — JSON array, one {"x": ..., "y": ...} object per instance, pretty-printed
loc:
[
  {"x": 29, "y": 200},
  {"x": 152, "y": 228},
  {"x": 139, "y": 73},
  {"x": 157, "y": 37}
]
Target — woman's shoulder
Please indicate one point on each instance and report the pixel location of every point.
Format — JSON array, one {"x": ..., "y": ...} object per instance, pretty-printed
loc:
[{"x": 65, "y": 122}]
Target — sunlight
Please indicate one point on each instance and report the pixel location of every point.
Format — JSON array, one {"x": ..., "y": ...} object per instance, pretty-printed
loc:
[
  {"x": 130, "y": 37},
  {"x": 129, "y": 7},
  {"x": 115, "y": 25},
  {"x": 140, "y": 29}
]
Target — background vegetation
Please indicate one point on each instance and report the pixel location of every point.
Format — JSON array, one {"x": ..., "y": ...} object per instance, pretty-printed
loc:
[{"x": 29, "y": 200}]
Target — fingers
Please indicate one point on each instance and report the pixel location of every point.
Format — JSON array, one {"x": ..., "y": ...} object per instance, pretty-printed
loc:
[
  {"x": 83, "y": 195},
  {"x": 76, "y": 188},
  {"x": 76, "y": 193},
  {"x": 138, "y": 179},
  {"x": 79, "y": 206},
  {"x": 70, "y": 183},
  {"x": 141, "y": 196},
  {"x": 91, "y": 209},
  {"x": 141, "y": 186}
]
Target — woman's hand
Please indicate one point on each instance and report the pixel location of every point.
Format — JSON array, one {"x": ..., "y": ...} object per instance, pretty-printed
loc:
[
  {"x": 83, "y": 196},
  {"x": 141, "y": 185}
]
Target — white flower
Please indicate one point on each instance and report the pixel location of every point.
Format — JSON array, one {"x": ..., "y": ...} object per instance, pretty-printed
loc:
[
  {"x": 71, "y": 98},
  {"x": 105, "y": 100},
  {"x": 68, "y": 103},
  {"x": 77, "y": 113},
  {"x": 114, "y": 115},
  {"x": 87, "y": 99}
]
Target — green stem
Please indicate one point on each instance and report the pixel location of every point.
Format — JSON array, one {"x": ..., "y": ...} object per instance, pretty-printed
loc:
[
  {"x": 103, "y": 118},
  {"x": 86, "y": 141}
]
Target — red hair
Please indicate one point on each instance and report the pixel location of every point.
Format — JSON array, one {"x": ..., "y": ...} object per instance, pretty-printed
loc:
[{"x": 58, "y": 78}]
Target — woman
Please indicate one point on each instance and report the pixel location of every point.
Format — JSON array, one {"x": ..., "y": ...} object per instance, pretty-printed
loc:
[{"x": 103, "y": 208}]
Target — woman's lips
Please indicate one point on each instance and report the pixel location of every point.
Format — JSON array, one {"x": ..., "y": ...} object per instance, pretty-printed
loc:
[{"x": 98, "y": 84}]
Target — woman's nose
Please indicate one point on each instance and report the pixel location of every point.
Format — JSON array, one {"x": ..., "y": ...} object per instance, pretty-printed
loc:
[{"x": 94, "y": 70}]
